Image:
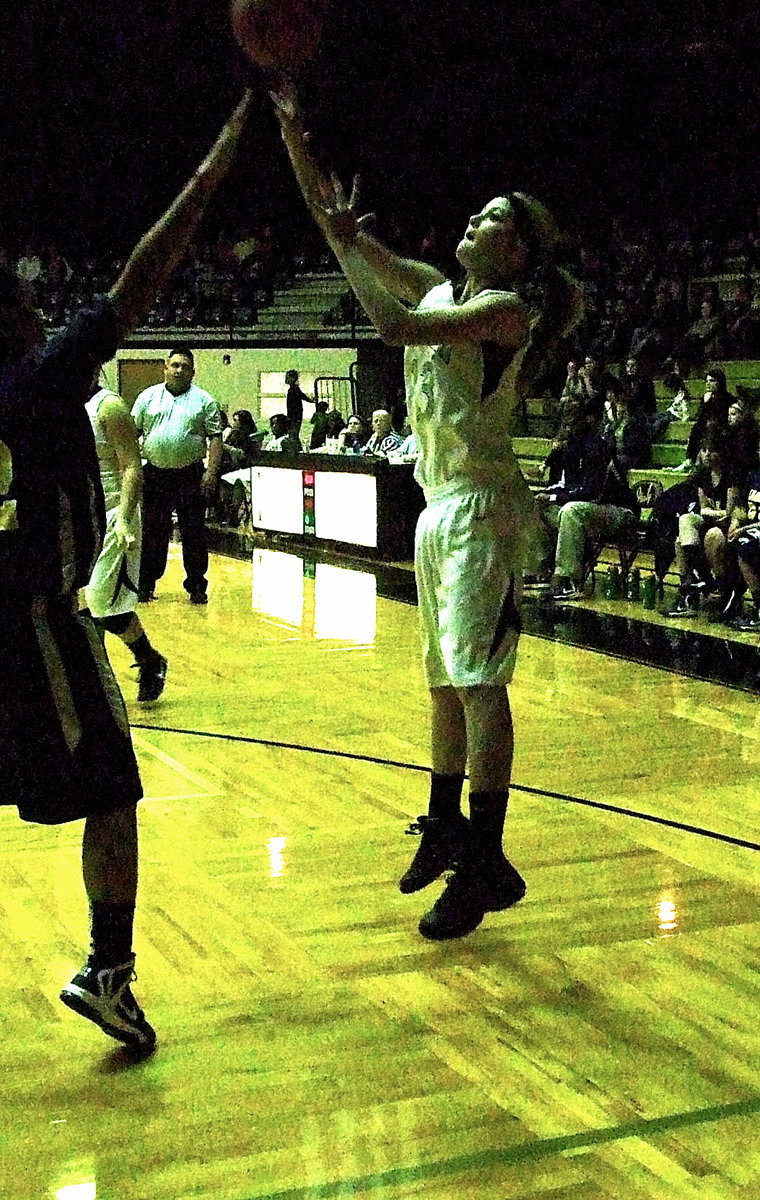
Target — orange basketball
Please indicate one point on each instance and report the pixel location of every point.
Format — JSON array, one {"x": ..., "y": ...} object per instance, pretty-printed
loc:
[{"x": 279, "y": 36}]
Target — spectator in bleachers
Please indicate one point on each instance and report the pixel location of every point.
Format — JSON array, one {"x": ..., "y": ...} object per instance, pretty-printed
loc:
[
  {"x": 678, "y": 408},
  {"x": 627, "y": 429},
  {"x": 653, "y": 340},
  {"x": 711, "y": 419},
  {"x": 742, "y": 325},
  {"x": 718, "y": 495},
  {"x": 605, "y": 507},
  {"x": 639, "y": 388},
  {"x": 744, "y": 543},
  {"x": 613, "y": 336},
  {"x": 594, "y": 380},
  {"x": 587, "y": 497},
  {"x": 743, "y": 438},
  {"x": 706, "y": 337}
]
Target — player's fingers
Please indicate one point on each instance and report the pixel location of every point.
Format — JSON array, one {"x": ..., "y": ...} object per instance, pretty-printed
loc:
[{"x": 340, "y": 195}]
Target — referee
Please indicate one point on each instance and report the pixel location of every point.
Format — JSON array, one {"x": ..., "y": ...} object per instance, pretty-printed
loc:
[{"x": 179, "y": 423}]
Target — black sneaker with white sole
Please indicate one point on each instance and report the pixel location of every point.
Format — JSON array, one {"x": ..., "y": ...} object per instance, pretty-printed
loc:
[
  {"x": 151, "y": 678},
  {"x": 472, "y": 890},
  {"x": 685, "y": 606},
  {"x": 103, "y": 995},
  {"x": 747, "y": 622}
]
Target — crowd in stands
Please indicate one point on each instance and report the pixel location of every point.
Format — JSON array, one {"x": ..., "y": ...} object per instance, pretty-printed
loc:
[
  {"x": 222, "y": 282},
  {"x": 709, "y": 522},
  {"x": 640, "y": 297}
]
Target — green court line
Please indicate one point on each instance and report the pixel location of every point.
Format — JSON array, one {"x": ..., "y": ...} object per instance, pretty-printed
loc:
[{"x": 532, "y": 1152}]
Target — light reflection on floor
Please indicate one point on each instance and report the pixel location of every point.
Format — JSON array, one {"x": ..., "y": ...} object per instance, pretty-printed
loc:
[{"x": 322, "y": 601}]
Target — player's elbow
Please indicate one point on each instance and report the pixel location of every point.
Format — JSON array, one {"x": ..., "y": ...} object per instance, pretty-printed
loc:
[{"x": 397, "y": 331}]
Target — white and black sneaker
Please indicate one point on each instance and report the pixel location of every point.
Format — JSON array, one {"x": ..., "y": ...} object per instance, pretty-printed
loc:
[{"x": 105, "y": 997}]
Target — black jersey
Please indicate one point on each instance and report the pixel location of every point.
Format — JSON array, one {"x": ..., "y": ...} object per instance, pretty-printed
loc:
[{"x": 51, "y": 501}]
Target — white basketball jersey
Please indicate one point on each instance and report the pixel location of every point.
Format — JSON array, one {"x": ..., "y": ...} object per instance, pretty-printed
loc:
[{"x": 464, "y": 436}]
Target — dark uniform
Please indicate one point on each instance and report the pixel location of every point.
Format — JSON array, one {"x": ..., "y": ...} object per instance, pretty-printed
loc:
[{"x": 65, "y": 747}]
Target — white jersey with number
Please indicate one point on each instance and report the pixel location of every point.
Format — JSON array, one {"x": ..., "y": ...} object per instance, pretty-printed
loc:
[
  {"x": 461, "y": 419},
  {"x": 474, "y": 538}
]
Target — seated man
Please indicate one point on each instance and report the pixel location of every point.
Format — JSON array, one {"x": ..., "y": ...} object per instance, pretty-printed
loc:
[
  {"x": 280, "y": 436},
  {"x": 384, "y": 439},
  {"x": 592, "y": 500}
]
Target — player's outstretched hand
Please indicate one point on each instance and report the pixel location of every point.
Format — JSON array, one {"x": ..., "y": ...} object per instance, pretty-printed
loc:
[{"x": 338, "y": 214}]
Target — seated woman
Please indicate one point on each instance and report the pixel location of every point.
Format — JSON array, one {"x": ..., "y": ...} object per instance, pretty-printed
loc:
[
  {"x": 243, "y": 442},
  {"x": 718, "y": 496},
  {"x": 627, "y": 429},
  {"x": 712, "y": 418},
  {"x": 677, "y": 410},
  {"x": 744, "y": 543},
  {"x": 353, "y": 436}
]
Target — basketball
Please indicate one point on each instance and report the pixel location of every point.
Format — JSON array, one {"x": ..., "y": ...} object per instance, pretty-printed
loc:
[{"x": 279, "y": 36}]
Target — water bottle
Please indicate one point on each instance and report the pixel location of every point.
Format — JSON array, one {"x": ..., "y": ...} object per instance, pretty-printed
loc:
[
  {"x": 633, "y": 589},
  {"x": 649, "y": 591}
]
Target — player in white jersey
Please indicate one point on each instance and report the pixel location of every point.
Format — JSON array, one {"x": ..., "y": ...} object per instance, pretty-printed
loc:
[
  {"x": 471, "y": 352},
  {"x": 111, "y": 594}
]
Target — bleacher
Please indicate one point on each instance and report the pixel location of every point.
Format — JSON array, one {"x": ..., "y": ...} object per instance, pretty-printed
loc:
[{"x": 667, "y": 454}]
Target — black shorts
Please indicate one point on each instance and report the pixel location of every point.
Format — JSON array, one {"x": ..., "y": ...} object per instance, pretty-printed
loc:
[{"x": 65, "y": 747}]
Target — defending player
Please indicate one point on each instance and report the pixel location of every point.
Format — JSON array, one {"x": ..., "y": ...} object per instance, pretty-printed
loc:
[{"x": 65, "y": 747}]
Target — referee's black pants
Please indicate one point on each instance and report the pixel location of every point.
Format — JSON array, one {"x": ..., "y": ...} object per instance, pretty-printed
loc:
[{"x": 166, "y": 490}]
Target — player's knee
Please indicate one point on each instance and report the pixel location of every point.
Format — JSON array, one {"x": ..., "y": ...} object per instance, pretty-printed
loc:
[{"x": 118, "y": 624}]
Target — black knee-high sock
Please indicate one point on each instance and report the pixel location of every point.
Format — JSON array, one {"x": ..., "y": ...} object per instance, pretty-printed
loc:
[
  {"x": 445, "y": 796},
  {"x": 142, "y": 650},
  {"x": 487, "y": 813},
  {"x": 111, "y": 933}
]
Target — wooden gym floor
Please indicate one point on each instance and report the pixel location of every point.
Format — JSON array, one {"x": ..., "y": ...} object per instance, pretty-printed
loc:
[{"x": 598, "y": 1042}]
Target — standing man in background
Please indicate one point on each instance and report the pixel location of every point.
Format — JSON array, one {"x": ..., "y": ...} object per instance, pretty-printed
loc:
[
  {"x": 178, "y": 423},
  {"x": 294, "y": 399}
]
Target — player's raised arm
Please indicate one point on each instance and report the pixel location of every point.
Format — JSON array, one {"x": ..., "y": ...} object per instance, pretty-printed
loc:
[
  {"x": 497, "y": 315},
  {"x": 157, "y": 254},
  {"x": 406, "y": 278}
]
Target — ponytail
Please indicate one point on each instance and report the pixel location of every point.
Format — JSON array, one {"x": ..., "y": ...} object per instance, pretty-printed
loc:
[{"x": 555, "y": 303}]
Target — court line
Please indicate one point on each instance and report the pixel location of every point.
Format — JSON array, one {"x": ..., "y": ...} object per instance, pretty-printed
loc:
[
  {"x": 517, "y": 787},
  {"x": 531, "y": 1152}
]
